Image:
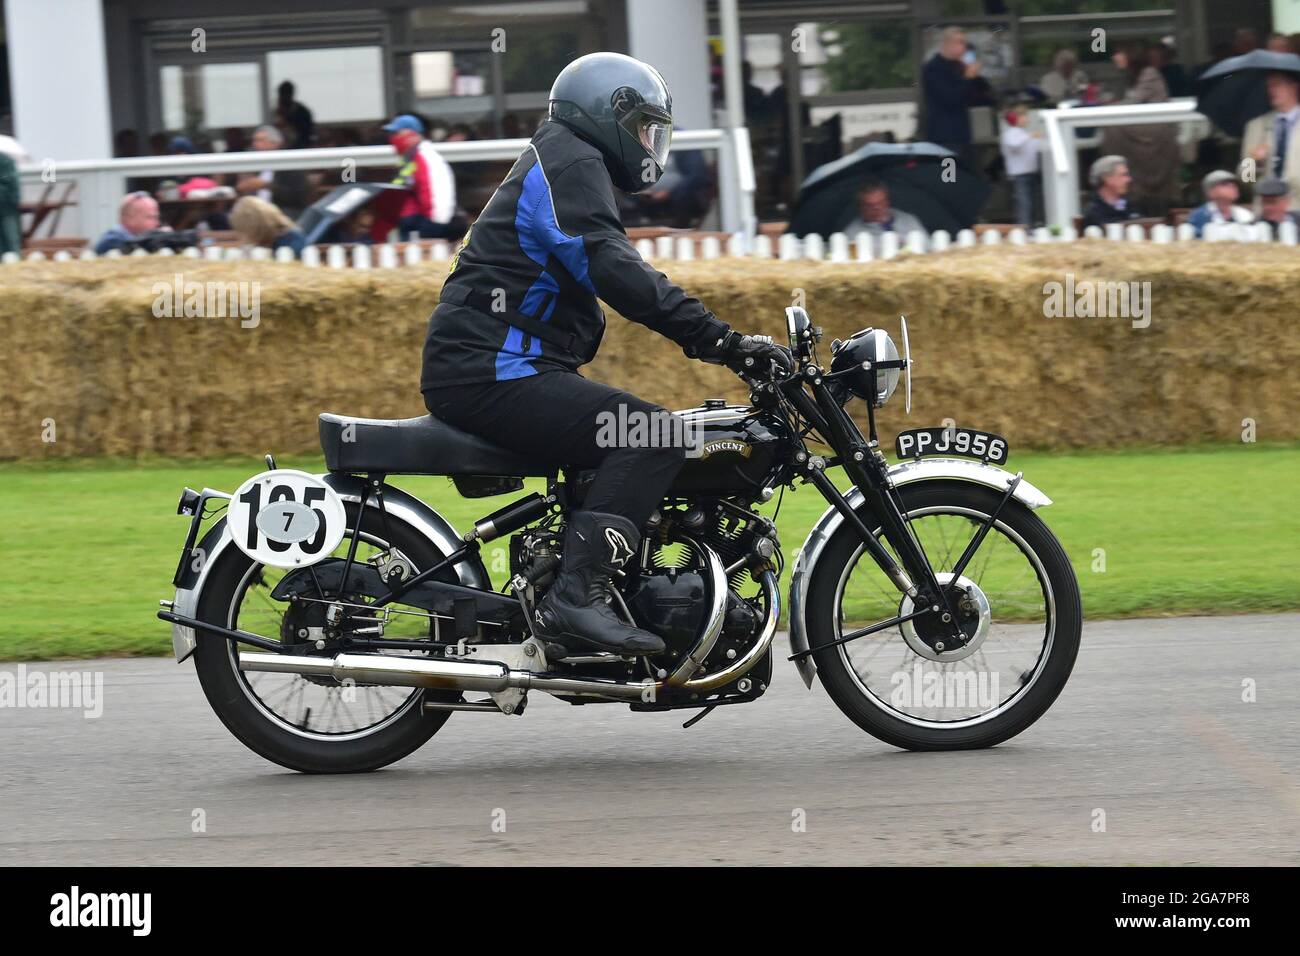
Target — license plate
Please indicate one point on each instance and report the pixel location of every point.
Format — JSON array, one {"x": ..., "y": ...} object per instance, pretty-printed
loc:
[{"x": 963, "y": 442}]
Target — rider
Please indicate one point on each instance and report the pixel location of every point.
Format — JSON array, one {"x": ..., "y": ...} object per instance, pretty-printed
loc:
[{"x": 518, "y": 316}]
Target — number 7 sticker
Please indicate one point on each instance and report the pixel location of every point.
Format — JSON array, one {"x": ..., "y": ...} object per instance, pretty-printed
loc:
[{"x": 286, "y": 518}]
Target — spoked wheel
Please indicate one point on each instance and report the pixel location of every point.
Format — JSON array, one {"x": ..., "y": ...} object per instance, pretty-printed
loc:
[
  {"x": 1017, "y": 604},
  {"x": 313, "y": 724}
]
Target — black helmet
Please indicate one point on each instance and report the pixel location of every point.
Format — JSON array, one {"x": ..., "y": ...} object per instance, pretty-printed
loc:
[{"x": 622, "y": 107}]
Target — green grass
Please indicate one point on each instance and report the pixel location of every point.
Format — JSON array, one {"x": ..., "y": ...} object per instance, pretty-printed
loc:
[{"x": 89, "y": 547}]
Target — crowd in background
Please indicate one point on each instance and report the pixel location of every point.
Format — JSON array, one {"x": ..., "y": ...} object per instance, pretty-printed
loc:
[{"x": 1136, "y": 172}]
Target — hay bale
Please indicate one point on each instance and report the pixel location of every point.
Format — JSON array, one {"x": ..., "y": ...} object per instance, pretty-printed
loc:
[{"x": 84, "y": 348}]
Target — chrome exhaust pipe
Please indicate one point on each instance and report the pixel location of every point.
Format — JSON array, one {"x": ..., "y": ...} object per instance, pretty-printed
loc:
[
  {"x": 488, "y": 676},
  {"x": 433, "y": 673},
  {"x": 493, "y": 677}
]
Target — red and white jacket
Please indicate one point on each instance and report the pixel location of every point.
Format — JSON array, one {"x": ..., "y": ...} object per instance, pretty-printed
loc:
[{"x": 431, "y": 189}]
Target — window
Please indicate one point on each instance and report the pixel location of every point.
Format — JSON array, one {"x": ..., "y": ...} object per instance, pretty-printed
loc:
[
  {"x": 211, "y": 95},
  {"x": 338, "y": 84}
]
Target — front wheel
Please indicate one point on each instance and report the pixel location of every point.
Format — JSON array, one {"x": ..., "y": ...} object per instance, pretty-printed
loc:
[{"x": 1017, "y": 602}]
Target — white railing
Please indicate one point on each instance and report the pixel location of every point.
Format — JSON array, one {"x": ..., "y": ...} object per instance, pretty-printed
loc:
[
  {"x": 838, "y": 248},
  {"x": 1061, "y": 157},
  {"x": 101, "y": 183}
]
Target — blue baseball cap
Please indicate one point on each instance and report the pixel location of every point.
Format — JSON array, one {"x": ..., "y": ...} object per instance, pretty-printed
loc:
[{"x": 405, "y": 121}]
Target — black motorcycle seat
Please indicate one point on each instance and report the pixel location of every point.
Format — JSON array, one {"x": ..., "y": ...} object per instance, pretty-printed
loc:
[{"x": 417, "y": 446}]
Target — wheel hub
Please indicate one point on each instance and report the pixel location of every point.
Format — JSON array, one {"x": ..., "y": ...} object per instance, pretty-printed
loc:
[{"x": 925, "y": 634}]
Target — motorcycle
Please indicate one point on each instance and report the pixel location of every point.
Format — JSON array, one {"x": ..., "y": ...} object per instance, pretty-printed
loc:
[{"x": 336, "y": 622}]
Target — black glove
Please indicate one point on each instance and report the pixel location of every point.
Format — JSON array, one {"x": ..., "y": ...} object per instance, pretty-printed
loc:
[{"x": 743, "y": 353}]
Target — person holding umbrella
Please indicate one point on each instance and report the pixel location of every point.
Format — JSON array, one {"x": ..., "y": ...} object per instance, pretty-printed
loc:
[
  {"x": 1270, "y": 139},
  {"x": 1253, "y": 97}
]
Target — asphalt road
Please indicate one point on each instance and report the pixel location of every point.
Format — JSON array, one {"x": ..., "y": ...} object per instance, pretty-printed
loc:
[{"x": 1152, "y": 730}]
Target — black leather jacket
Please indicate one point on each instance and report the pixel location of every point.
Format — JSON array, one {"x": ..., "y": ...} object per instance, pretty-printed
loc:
[{"x": 521, "y": 296}]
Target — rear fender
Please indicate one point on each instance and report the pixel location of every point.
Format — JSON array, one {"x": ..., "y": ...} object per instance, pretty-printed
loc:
[{"x": 399, "y": 505}]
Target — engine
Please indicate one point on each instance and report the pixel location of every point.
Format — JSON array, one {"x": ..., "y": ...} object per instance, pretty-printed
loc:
[
  {"x": 671, "y": 598},
  {"x": 670, "y": 594}
]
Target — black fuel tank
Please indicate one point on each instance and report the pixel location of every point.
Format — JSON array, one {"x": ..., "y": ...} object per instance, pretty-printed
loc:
[{"x": 729, "y": 450}]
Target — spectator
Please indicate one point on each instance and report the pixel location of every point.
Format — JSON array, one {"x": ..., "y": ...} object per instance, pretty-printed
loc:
[
  {"x": 1111, "y": 179},
  {"x": 1270, "y": 139},
  {"x": 684, "y": 191},
  {"x": 261, "y": 224},
  {"x": 755, "y": 100},
  {"x": 126, "y": 143},
  {"x": 235, "y": 141},
  {"x": 181, "y": 146},
  {"x": 1278, "y": 43},
  {"x": 294, "y": 116},
  {"x": 1151, "y": 148},
  {"x": 876, "y": 216},
  {"x": 1274, "y": 198},
  {"x": 1020, "y": 155},
  {"x": 10, "y": 190},
  {"x": 430, "y": 206},
  {"x": 13, "y": 149},
  {"x": 946, "y": 83},
  {"x": 1244, "y": 40},
  {"x": 1221, "y": 195},
  {"x": 1163, "y": 58},
  {"x": 136, "y": 217},
  {"x": 1065, "y": 80},
  {"x": 286, "y": 189}
]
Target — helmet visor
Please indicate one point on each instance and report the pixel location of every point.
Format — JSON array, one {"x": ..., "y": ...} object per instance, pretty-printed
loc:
[{"x": 653, "y": 132}]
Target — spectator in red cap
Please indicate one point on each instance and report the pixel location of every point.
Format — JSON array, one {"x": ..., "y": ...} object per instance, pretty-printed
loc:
[{"x": 429, "y": 209}]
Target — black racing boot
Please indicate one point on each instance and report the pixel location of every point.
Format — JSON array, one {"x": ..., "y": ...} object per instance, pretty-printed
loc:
[{"x": 576, "y": 611}]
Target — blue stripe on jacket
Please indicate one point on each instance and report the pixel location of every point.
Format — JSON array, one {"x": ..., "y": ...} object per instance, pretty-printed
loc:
[{"x": 540, "y": 237}]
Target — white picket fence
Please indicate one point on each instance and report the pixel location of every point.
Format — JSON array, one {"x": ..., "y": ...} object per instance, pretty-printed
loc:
[{"x": 839, "y": 248}]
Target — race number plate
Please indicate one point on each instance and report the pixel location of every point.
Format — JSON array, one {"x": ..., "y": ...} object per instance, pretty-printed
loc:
[
  {"x": 963, "y": 442},
  {"x": 286, "y": 518}
]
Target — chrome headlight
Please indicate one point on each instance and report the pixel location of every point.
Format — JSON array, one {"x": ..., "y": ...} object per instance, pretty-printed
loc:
[{"x": 871, "y": 364}]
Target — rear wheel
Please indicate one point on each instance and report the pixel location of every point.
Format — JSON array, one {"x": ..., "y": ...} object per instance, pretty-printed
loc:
[
  {"x": 313, "y": 724},
  {"x": 1017, "y": 602}
]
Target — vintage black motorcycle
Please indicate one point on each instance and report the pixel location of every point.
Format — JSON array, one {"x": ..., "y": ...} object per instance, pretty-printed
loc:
[{"x": 336, "y": 621}]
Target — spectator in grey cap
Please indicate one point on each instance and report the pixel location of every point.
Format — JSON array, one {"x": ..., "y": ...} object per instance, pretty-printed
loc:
[
  {"x": 1110, "y": 178},
  {"x": 1221, "y": 195},
  {"x": 1274, "y": 198}
]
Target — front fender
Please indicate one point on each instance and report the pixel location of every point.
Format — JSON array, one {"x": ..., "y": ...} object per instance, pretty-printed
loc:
[
  {"x": 399, "y": 505},
  {"x": 904, "y": 473}
]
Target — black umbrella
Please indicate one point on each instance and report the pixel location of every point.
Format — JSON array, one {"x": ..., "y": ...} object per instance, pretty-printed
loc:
[
  {"x": 1234, "y": 91},
  {"x": 318, "y": 219},
  {"x": 915, "y": 176}
]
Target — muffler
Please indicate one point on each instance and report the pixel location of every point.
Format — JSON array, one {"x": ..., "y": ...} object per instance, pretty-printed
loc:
[
  {"x": 494, "y": 677},
  {"x": 487, "y": 676}
]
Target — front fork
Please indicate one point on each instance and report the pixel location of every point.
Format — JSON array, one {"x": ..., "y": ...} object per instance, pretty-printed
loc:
[{"x": 868, "y": 470}]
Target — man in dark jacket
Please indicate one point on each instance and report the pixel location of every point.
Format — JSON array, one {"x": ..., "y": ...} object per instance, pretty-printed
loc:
[
  {"x": 1111, "y": 179},
  {"x": 518, "y": 315},
  {"x": 946, "y": 83}
]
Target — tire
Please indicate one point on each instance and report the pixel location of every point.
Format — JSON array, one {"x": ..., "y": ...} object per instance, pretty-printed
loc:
[
  {"x": 1022, "y": 708},
  {"x": 276, "y": 740}
]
